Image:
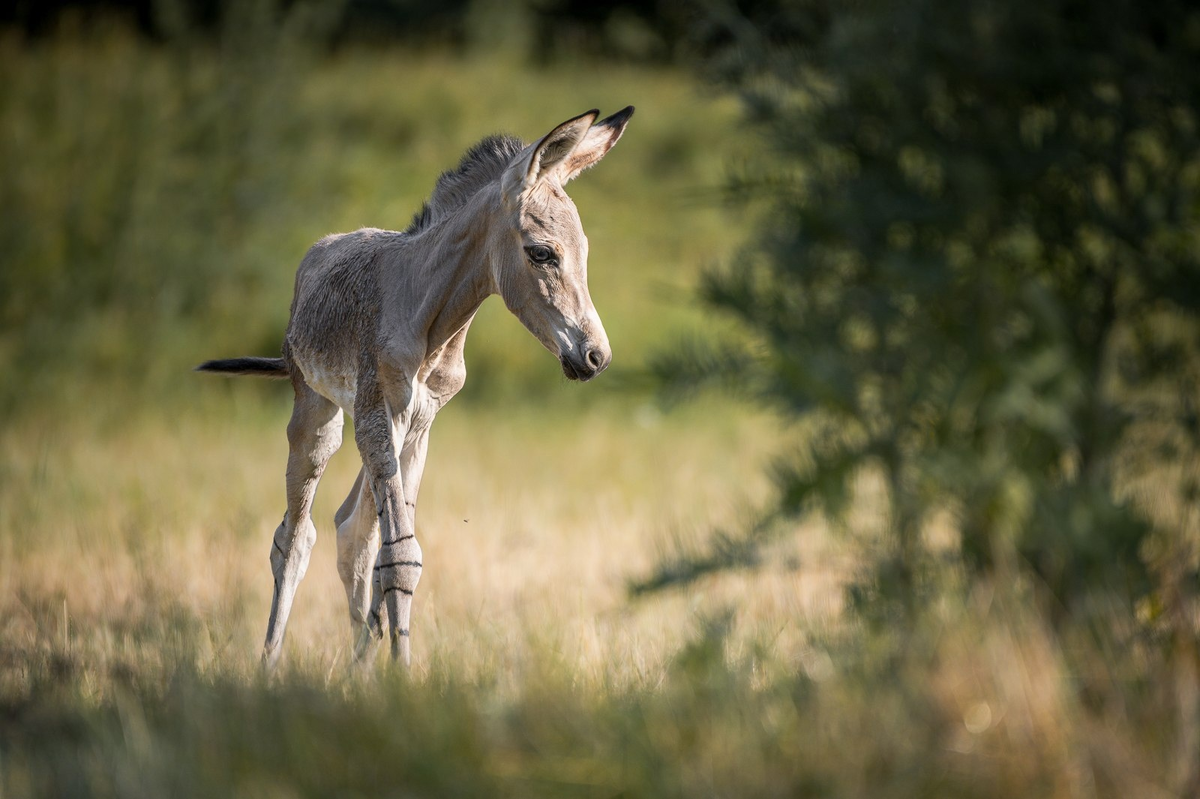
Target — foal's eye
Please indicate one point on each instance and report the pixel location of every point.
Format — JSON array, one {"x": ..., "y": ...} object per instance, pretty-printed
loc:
[{"x": 540, "y": 254}]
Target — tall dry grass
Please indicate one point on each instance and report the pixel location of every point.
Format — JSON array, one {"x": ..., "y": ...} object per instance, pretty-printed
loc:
[{"x": 532, "y": 525}]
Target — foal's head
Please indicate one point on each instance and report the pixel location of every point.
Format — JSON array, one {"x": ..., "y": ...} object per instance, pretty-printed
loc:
[{"x": 541, "y": 258}]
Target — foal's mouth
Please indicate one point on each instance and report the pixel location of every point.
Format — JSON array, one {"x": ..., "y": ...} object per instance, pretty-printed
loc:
[
  {"x": 574, "y": 372},
  {"x": 570, "y": 371}
]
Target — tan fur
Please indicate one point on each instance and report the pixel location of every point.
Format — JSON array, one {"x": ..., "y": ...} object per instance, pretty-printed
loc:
[{"x": 378, "y": 323}]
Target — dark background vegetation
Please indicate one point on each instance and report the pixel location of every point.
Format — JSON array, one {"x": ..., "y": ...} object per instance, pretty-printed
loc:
[
  {"x": 969, "y": 292},
  {"x": 642, "y": 30}
]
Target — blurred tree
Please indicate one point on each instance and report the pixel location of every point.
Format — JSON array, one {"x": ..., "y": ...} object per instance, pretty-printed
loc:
[{"x": 980, "y": 273}]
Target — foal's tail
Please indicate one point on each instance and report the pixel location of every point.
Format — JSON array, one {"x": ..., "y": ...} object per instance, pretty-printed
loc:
[{"x": 273, "y": 368}]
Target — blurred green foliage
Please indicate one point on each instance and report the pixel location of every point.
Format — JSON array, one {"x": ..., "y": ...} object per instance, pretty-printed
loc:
[
  {"x": 135, "y": 195},
  {"x": 980, "y": 277}
]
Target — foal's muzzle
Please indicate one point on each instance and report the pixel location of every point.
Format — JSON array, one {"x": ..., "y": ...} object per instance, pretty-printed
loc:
[{"x": 594, "y": 361}]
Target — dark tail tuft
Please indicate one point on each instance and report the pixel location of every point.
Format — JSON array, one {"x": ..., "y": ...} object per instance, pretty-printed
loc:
[{"x": 259, "y": 367}]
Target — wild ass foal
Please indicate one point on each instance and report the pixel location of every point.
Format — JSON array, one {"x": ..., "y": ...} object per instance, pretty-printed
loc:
[{"x": 377, "y": 328}]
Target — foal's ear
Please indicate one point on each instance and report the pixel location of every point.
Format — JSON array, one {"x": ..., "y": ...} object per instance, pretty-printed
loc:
[
  {"x": 596, "y": 143},
  {"x": 539, "y": 159}
]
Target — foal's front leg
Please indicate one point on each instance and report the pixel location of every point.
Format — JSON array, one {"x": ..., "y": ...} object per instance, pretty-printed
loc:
[
  {"x": 358, "y": 542},
  {"x": 398, "y": 566}
]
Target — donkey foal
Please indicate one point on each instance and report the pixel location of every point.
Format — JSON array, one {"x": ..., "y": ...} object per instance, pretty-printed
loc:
[{"x": 377, "y": 328}]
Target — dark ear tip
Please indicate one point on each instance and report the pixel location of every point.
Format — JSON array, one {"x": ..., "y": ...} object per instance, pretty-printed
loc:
[{"x": 619, "y": 118}]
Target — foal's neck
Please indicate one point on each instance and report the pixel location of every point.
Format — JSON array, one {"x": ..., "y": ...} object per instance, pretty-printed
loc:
[{"x": 450, "y": 272}]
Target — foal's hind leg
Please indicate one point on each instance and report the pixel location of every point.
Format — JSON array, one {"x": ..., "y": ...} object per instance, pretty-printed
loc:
[
  {"x": 314, "y": 434},
  {"x": 357, "y": 544}
]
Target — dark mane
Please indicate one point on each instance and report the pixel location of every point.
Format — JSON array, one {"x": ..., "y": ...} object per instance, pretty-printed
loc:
[{"x": 480, "y": 165}]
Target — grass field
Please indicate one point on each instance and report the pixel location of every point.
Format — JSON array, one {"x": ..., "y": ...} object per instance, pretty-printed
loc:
[
  {"x": 155, "y": 201},
  {"x": 111, "y": 539}
]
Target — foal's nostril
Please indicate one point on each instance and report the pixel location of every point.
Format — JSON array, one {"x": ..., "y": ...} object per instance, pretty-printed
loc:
[{"x": 594, "y": 359}]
